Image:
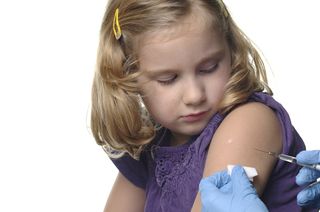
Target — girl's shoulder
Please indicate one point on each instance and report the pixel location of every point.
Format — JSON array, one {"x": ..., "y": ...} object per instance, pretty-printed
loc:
[
  {"x": 261, "y": 110},
  {"x": 251, "y": 122},
  {"x": 259, "y": 105}
]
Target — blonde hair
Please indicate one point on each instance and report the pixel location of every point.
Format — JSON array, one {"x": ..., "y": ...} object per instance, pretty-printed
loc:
[{"x": 119, "y": 122}]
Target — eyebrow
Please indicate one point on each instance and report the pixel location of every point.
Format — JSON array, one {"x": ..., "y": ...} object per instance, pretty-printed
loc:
[
  {"x": 155, "y": 73},
  {"x": 213, "y": 55}
]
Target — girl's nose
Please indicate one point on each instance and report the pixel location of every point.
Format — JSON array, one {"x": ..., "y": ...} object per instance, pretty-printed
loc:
[{"x": 194, "y": 93}]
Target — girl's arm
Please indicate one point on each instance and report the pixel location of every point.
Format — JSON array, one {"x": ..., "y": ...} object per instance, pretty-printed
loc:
[
  {"x": 250, "y": 126},
  {"x": 125, "y": 196}
]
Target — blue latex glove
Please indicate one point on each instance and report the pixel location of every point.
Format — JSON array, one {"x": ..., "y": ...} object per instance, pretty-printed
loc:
[
  {"x": 310, "y": 196},
  {"x": 220, "y": 192}
]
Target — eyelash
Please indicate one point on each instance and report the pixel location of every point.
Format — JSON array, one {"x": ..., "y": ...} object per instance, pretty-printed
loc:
[
  {"x": 210, "y": 69},
  {"x": 167, "y": 82},
  {"x": 171, "y": 80}
]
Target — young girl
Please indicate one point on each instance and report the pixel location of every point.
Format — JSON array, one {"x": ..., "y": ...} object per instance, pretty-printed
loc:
[{"x": 180, "y": 93}]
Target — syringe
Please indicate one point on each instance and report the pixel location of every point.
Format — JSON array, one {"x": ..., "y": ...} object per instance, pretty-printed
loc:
[{"x": 291, "y": 159}]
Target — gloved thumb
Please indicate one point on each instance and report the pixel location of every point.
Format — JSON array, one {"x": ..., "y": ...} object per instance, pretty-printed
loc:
[
  {"x": 241, "y": 181},
  {"x": 216, "y": 180}
]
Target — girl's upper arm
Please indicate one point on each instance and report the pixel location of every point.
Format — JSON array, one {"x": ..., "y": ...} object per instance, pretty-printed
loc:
[
  {"x": 125, "y": 196},
  {"x": 247, "y": 128}
]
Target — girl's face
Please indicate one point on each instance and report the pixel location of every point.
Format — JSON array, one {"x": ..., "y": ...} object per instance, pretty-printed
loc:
[{"x": 185, "y": 70}]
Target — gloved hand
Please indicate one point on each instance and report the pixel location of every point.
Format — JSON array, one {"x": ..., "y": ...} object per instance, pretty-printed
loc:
[
  {"x": 220, "y": 192},
  {"x": 310, "y": 196}
]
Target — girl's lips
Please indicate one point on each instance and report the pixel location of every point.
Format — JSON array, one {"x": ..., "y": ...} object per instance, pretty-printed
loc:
[{"x": 194, "y": 116}]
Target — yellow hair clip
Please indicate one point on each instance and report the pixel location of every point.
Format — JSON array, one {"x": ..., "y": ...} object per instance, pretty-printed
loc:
[
  {"x": 116, "y": 25},
  {"x": 223, "y": 7}
]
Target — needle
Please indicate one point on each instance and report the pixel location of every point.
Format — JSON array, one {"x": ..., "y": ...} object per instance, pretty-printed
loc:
[{"x": 269, "y": 153}]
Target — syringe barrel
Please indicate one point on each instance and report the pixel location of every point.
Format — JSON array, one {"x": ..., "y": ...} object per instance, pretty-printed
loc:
[
  {"x": 291, "y": 159},
  {"x": 287, "y": 158}
]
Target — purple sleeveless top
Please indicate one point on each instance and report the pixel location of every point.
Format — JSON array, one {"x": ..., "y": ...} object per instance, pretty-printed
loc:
[{"x": 171, "y": 175}]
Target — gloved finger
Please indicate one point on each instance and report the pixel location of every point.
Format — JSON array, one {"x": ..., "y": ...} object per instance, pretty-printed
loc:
[
  {"x": 309, "y": 196},
  {"x": 309, "y": 157},
  {"x": 306, "y": 176},
  {"x": 240, "y": 180},
  {"x": 216, "y": 180}
]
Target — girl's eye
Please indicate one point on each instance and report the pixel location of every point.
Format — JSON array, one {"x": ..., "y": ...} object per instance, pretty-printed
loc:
[
  {"x": 167, "y": 80},
  {"x": 210, "y": 69}
]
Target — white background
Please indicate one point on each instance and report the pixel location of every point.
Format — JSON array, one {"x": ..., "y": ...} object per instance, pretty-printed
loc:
[{"x": 48, "y": 158}]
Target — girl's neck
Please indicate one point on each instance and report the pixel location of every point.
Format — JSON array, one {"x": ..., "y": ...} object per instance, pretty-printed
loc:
[{"x": 178, "y": 139}]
